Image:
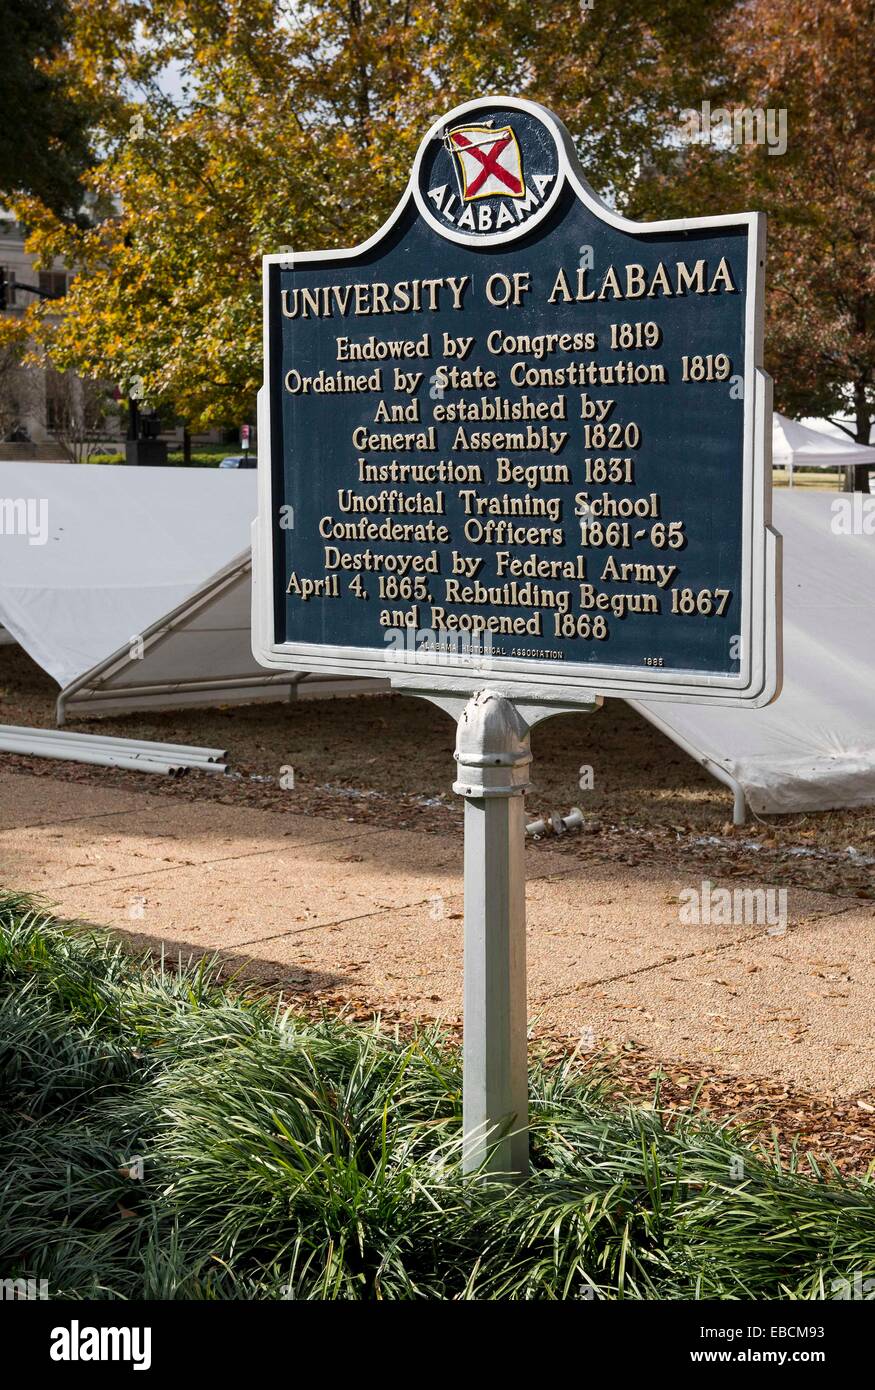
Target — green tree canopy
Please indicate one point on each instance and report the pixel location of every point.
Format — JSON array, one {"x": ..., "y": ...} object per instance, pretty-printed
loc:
[
  {"x": 810, "y": 67},
  {"x": 295, "y": 126},
  {"x": 229, "y": 128},
  {"x": 44, "y": 124}
]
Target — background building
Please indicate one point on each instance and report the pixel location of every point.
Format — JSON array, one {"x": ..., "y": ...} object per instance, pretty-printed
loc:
[{"x": 35, "y": 402}]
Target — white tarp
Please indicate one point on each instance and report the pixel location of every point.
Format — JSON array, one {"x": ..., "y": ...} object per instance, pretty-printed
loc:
[
  {"x": 814, "y": 748},
  {"x": 199, "y": 653},
  {"x": 798, "y": 446},
  {"x": 90, "y": 556}
]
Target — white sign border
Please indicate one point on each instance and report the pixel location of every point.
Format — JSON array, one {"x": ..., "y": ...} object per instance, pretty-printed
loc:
[{"x": 759, "y": 680}]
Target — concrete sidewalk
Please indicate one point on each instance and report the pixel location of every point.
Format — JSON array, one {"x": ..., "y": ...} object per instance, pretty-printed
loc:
[{"x": 344, "y": 911}]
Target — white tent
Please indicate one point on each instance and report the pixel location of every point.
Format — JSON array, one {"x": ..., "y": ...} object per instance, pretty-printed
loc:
[
  {"x": 199, "y": 654},
  {"x": 798, "y": 446},
  {"x": 131, "y": 586},
  {"x": 834, "y": 428},
  {"x": 814, "y": 748},
  {"x": 91, "y": 556}
]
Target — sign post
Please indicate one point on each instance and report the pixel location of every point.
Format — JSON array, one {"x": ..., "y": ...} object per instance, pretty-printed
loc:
[
  {"x": 493, "y": 758},
  {"x": 514, "y": 455}
]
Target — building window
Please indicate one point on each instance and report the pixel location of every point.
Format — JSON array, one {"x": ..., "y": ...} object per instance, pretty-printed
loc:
[
  {"x": 53, "y": 283},
  {"x": 10, "y": 287}
]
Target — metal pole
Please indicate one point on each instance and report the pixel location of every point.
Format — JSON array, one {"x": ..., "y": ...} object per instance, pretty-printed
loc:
[{"x": 493, "y": 756}]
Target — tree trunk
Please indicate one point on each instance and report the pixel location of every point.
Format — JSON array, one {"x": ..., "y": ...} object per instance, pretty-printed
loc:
[
  {"x": 857, "y": 477},
  {"x": 186, "y": 446}
]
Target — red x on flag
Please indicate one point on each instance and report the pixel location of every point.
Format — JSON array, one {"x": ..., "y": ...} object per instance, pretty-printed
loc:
[{"x": 490, "y": 162}]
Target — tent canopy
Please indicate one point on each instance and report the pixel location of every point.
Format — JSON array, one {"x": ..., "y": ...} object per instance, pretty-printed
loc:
[
  {"x": 834, "y": 428},
  {"x": 814, "y": 748},
  {"x": 199, "y": 654},
  {"x": 133, "y": 587},
  {"x": 111, "y": 550},
  {"x": 795, "y": 445}
]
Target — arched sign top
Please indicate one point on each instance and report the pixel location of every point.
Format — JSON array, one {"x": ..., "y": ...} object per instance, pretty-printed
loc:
[{"x": 490, "y": 170}]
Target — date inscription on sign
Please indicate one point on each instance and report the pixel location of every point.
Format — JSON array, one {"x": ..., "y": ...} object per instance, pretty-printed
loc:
[{"x": 517, "y": 438}]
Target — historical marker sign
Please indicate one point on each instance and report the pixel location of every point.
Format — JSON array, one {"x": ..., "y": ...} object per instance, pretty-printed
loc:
[
  {"x": 519, "y": 446},
  {"x": 516, "y": 438}
]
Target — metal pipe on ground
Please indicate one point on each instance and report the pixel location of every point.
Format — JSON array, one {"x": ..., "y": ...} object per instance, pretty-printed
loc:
[
  {"x": 193, "y": 751},
  {"x": 135, "y": 755}
]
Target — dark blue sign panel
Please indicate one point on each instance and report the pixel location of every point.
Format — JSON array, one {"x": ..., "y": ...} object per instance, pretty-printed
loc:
[{"x": 519, "y": 435}]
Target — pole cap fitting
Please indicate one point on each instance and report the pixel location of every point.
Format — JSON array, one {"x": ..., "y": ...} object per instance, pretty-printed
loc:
[{"x": 492, "y": 748}]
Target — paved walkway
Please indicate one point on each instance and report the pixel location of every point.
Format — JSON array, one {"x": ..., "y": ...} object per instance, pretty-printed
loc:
[{"x": 375, "y": 916}]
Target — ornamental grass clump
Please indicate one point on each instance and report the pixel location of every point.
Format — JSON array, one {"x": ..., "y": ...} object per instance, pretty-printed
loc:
[{"x": 167, "y": 1135}]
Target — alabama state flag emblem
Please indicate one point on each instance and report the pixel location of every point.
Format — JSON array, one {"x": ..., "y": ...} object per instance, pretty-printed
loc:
[{"x": 488, "y": 162}]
